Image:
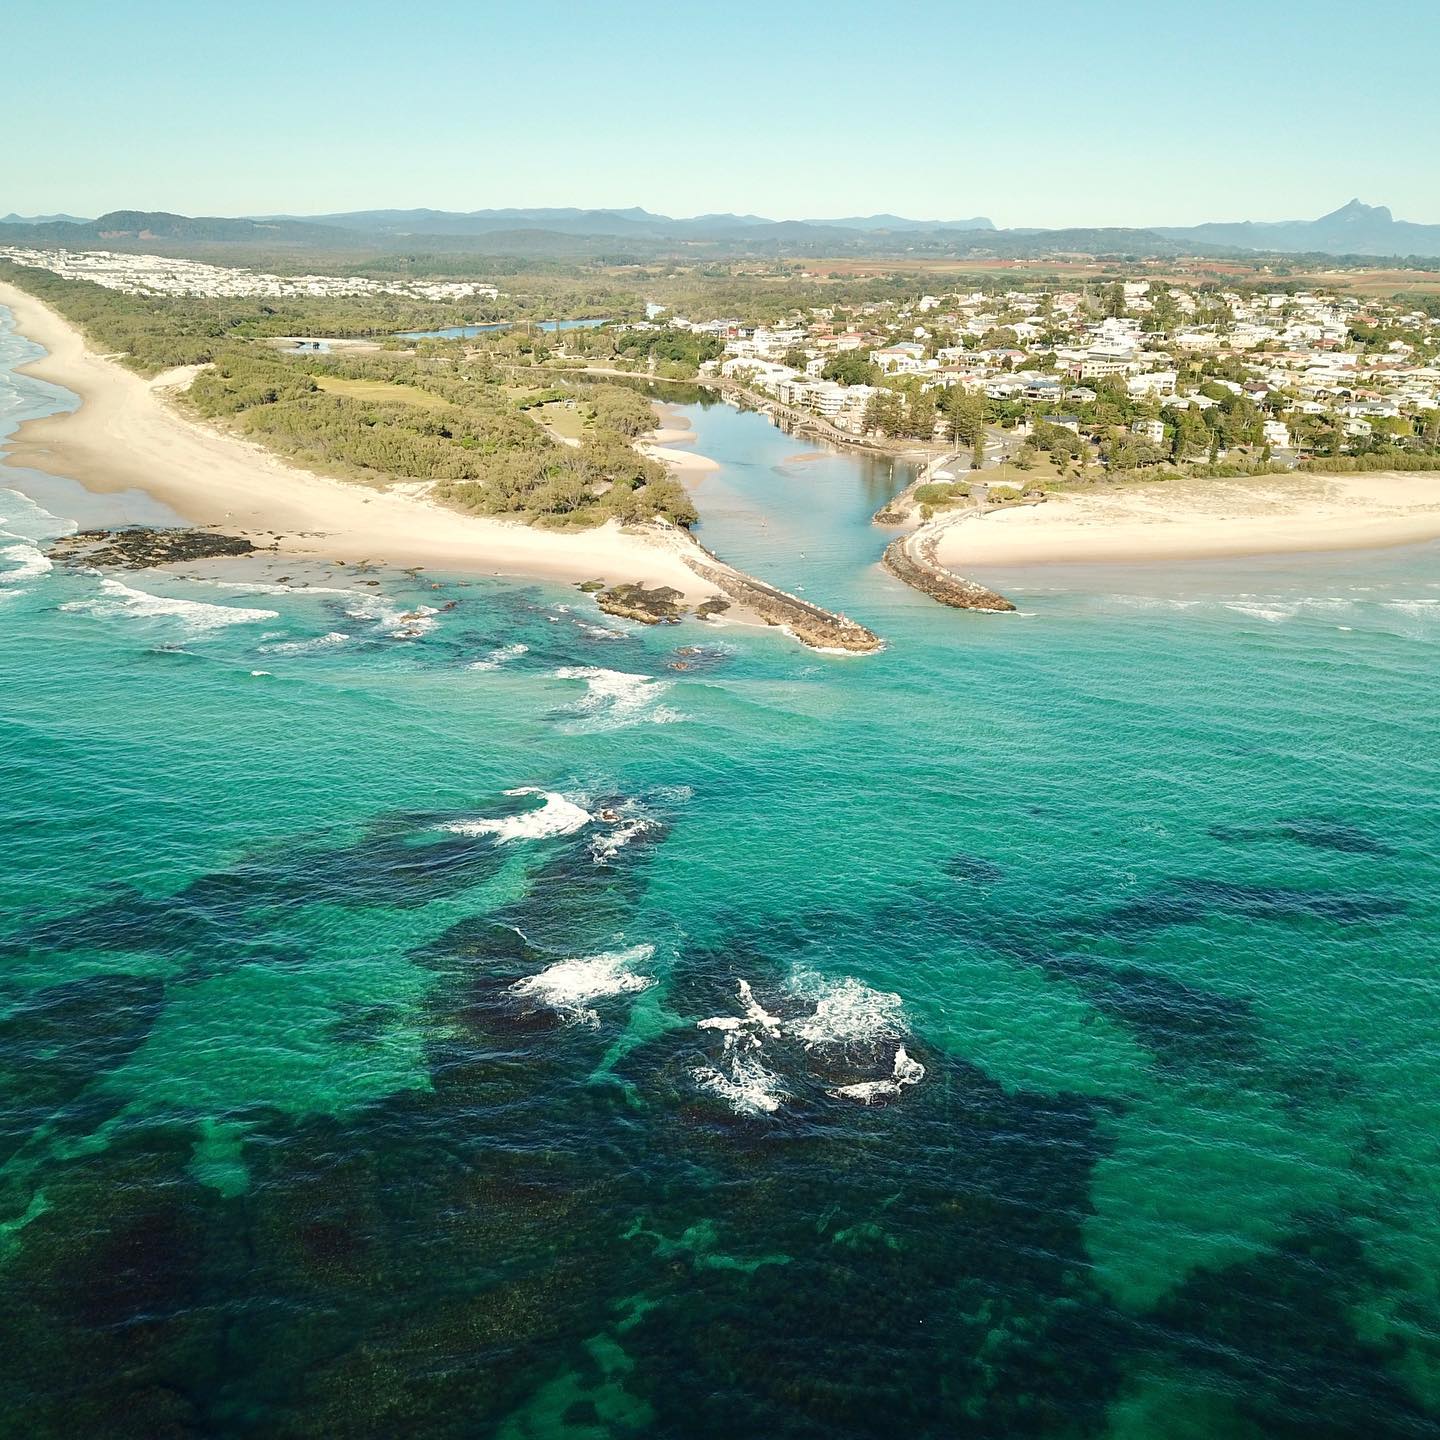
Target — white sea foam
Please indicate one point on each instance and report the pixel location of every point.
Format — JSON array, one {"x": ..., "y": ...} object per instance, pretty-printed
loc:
[
  {"x": 26, "y": 563},
  {"x": 606, "y": 845},
  {"x": 742, "y": 1079},
  {"x": 303, "y": 647},
  {"x": 847, "y": 1013},
  {"x": 274, "y": 587},
  {"x": 848, "y": 1016},
  {"x": 119, "y": 600},
  {"x": 754, "y": 1016},
  {"x": 755, "y": 1013},
  {"x": 614, "y": 699},
  {"x": 570, "y": 987},
  {"x": 1269, "y": 613},
  {"x": 496, "y": 658},
  {"x": 557, "y": 816},
  {"x": 906, "y": 1072},
  {"x": 390, "y": 620}
]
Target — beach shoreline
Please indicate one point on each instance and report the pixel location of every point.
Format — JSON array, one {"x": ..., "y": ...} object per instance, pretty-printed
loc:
[
  {"x": 1196, "y": 520},
  {"x": 125, "y": 436}
]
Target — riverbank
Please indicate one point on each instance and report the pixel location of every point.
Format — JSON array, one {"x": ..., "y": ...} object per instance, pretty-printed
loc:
[
  {"x": 663, "y": 444},
  {"x": 1197, "y": 519},
  {"x": 126, "y": 436},
  {"x": 805, "y": 422}
]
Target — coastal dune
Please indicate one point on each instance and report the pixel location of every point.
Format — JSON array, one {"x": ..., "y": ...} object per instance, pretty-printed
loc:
[
  {"x": 1199, "y": 519},
  {"x": 125, "y": 435}
]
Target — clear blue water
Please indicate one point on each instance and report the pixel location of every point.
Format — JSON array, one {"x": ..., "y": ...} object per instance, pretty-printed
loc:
[
  {"x": 1083, "y": 1080},
  {"x": 464, "y": 332}
]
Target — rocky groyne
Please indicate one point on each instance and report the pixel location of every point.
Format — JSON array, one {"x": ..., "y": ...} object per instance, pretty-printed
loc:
[
  {"x": 809, "y": 624},
  {"x": 911, "y": 558}
]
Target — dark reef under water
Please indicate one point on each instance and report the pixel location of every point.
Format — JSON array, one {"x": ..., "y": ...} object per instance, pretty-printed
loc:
[{"x": 618, "y": 1256}]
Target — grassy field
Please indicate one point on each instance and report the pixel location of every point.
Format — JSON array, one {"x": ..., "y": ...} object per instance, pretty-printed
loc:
[
  {"x": 379, "y": 390},
  {"x": 561, "y": 419},
  {"x": 1379, "y": 283},
  {"x": 1042, "y": 474}
]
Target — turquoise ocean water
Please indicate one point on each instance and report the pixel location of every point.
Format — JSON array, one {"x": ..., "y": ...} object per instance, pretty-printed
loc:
[{"x": 509, "y": 1021}]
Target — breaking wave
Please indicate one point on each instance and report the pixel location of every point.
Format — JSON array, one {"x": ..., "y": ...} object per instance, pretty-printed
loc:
[
  {"x": 741, "y": 1079},
  {"x": 614, "y": 699},
  {"x": 849, "y": 1020},
  {"x": 26, "y": 563},
  {"x": 605, "y": 846},
  {"x": 557, "y": 816},
  {"x": 496, "y": 658},
  {"x": 302, "y": 647},
  {"x": 119, "y": 600},
  {"x": 570, "y": 987},
  {"x": 847, "y": 1013},
  {"x": 275, "y": 587},
  {"x": 906, "y": 1072}
]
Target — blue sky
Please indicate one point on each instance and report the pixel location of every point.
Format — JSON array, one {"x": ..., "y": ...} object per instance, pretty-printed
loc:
[{"x": 1092, "y": 112}]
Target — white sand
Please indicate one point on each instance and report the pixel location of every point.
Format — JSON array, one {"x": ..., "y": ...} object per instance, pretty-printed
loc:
[
  {"x": 675, "y": 429},
  {"x": 1199, "y": 519},
  {"x": 125, "y": 435},
  {"x": 686, "y": 464}
]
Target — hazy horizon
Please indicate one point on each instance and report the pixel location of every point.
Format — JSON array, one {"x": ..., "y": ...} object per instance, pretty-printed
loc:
[
  {"x": 1114, "y": 116},
  {"x": 560, "y": 207}
]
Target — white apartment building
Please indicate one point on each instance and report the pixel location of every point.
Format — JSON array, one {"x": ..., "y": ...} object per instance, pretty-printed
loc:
[{"x": 1155, "y": 382}]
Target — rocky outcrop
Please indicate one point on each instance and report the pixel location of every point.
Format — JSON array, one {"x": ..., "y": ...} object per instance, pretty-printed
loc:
[
  {"x": 138, "y": 547},
  {"x": 912, "y": 559},
  {"x": 894, "y": 511},
  {"x": 661, "y": 605}
]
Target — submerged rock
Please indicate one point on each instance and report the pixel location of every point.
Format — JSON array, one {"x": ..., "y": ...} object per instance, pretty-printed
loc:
[
  {"x": 138, "y": 547},
  {"x": 972, "y": 868}
]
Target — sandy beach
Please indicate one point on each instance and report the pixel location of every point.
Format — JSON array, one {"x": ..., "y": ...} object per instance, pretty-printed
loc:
[
  {"x": 660, "y": 444},
  {"x": 126, "y": 435},
  {"x": 1200, "y": 519}
]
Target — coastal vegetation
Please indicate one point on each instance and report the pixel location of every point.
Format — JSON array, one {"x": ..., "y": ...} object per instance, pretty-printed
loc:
[
  {"x": 429, "y": 415},
  {"x": 491, "y": 416},
  {"x": 150, "y": 333},
  {"x": 374, "y": 418}
]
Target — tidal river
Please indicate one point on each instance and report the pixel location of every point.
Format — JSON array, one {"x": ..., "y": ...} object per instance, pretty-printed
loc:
[{"x": 515, "y": 1022}]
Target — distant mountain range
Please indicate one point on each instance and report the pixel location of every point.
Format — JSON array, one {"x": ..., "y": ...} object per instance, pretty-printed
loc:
[
  {"x": 635, "y": 234},
  {"x": 1353, "y": 229},
  {"x": 623, "y": 224},
  {"x": 13, "y": 219}
]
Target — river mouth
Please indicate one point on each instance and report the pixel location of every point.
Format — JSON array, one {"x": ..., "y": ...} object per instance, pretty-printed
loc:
[{"x": 536, "y": 1023}]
